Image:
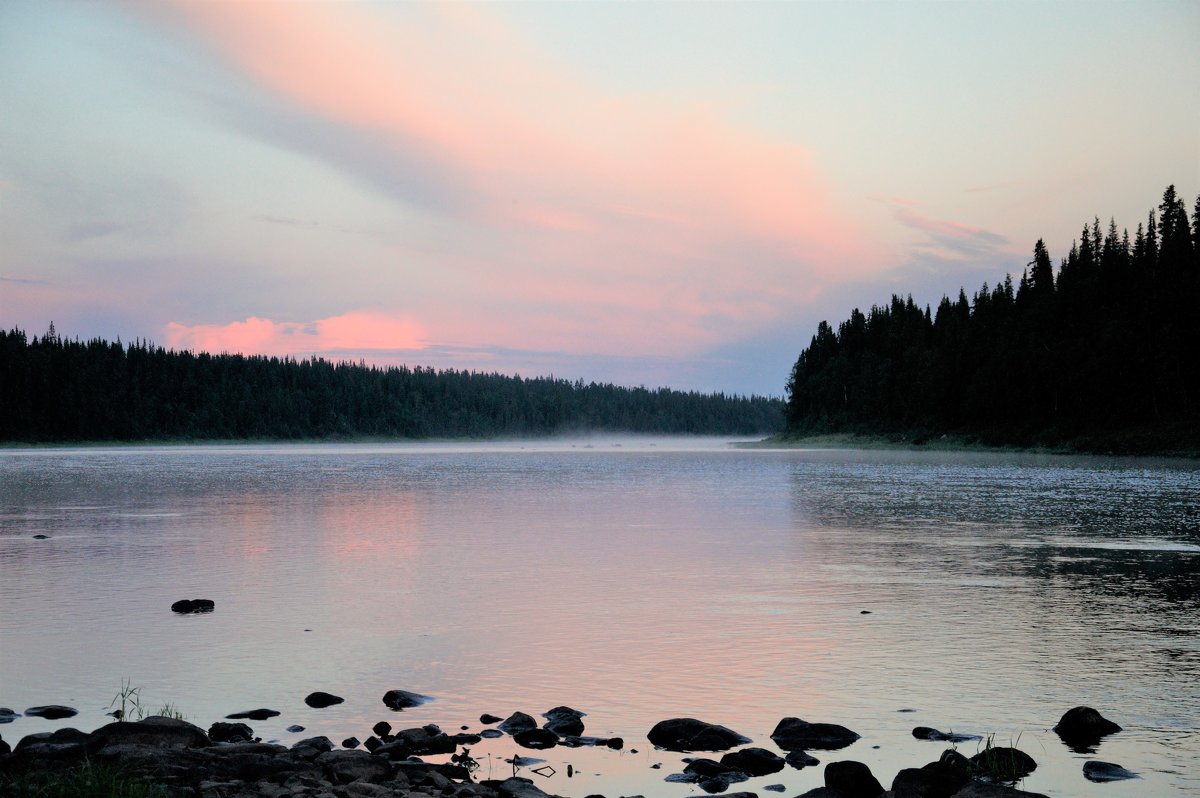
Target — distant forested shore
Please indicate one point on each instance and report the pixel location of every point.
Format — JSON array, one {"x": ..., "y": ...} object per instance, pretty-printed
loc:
[
  {"x": 57, "y": 390},
  {"x": 1102, "y": 354}
]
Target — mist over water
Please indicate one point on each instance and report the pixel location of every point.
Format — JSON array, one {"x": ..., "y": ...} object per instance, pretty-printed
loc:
[{"x": 634, "y": 579}]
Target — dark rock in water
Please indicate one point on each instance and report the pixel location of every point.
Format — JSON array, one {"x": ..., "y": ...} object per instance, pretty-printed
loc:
[
  {"x": 775, "y": 788},
  {"x": 615, "y": 743},
  {"x": 351, "y": 742},
  {"x": 793, "y": 733},
  {"x": 864, "y": 612},
  {"x": 564, "y": 720},
  {"x": 372, "y": 743},
  {"x": 382, "y": 728},
  {"x": 230, "y": 733},
  {"x": 402, "y": 699},
  {"x": 489, "y": 719},
  {"x": 295, "y": 728},
  {"x": 1106, "y": 771},
  {"x": 754, "y": 761},
  {"x": 689, "y": 734},
  {"x": 319, "y": 700},
  {"x": 253, "y": 714},
  {"x": 41, "y": 537},
  {"x": 1082, "y": 727},
  {"x": 51, "y": 712},
  {"x": 7, "y": 715},
  {"x": 464, "y": 738},
  {"x": 536, "y": 738},
  {"x": 801, "y": 759},
  {"x": 1004, "y": 764},
  {"x": 926, "y": 733},
  {"x": 491, "y": 733},
  {"x": 852, "y": 779},
  {"x": 906, "y": 709},
  {"x": 931, "y": 781},
  {"x": 55, "y": 749},
  {"x": 516, "y": 722},
  {"x": 188, "y": 606},
  {"x": 709, "y": 775}
]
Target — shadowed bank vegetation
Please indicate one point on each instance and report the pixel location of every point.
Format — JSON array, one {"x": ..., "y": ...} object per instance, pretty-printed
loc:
[
  {"x": 53, "y": 389},
  {"x": 1102, "y": 355}
]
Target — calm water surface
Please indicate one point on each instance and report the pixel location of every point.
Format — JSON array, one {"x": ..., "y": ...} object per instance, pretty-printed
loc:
[{"x": 634, "y": 579}]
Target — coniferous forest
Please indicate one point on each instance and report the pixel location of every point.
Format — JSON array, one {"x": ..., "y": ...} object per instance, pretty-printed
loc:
[
  {"x": 54, "y": 389},
  {"x": 1102, "y": 354}
]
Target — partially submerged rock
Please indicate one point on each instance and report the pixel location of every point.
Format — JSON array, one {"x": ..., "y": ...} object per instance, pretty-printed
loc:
[
  {"x": 795, "y": 734},
  {"x": 1004, "y": 764},
  {"x": 564, "y": 720},
  {"x": 1082, "y": 727},
  {"x": 7, "y": 715},
  {"x": 51, "y": 712},
  {"x": 690, "y": 734},
  {"x": 397, "y": 700},
  {"x": 1106, "y": 771},
  {"x": 927, "y": 733},
  {"x": 189, "y": 606},
  {"x": 320, "y": 700},
  {"x": 753, "y": 761},
  {"x": 801, "y": 759},
  {"x": 517, "y": 722},
  {"x": 253, "y": 714},
  {"x": 536, "y": 738}
]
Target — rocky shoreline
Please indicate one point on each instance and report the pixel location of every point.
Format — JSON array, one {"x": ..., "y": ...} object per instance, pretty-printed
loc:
[{"x": 227, "y": 761}]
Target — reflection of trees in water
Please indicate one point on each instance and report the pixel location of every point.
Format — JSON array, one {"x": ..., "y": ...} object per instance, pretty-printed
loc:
[{"x": 1090, "y": 525}]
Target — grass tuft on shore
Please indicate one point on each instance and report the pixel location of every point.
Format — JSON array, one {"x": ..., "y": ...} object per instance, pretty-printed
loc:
[{"x": 88, "y": 780}]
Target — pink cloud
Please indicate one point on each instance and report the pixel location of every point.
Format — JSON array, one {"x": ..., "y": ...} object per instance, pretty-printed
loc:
[
  {"x": 350, "y": 332},
  {"x": 607, "y": 205}
]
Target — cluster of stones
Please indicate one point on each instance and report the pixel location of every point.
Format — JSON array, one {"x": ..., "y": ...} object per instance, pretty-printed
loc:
[{"x": 230, "y": 762}]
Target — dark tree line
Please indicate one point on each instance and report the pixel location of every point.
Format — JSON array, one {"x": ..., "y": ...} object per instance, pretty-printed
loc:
[
  {"x": 54, "y": 389},
  {"x": 1103, "y": 354}
]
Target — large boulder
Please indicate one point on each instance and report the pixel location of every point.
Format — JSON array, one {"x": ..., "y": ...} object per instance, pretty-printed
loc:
[
  {"x": 397, "y": 700},
  {"x": 1106, "y": 771},
  {"x": 156, "y": 731},
  {"x": 1004, "y": 764},
  {"x": 689, "y": 734},
  {"x": 753, "y": 761},
  {"x": 793, "y": 734},
  {"x": 1082, "y": 727},
  {"x": 852, "y": 779},
  {"x": 320, "y": 700},
  {"x": 51, "y": 712}
]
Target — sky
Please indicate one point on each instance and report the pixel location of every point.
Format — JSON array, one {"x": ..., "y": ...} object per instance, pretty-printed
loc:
[{"x": 650, "y": 193}]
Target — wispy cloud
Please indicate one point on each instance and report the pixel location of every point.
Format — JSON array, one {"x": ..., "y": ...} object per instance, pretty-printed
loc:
[
  {"x": 944, "y": 238},
  {"x": 572, "y": 209}
]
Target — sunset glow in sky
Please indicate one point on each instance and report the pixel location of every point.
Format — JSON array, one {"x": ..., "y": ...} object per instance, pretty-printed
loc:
[{"x": 645, "y": 193}]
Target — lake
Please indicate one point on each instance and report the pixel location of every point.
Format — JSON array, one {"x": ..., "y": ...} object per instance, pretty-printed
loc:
[{"x": 634, "y": 579}]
